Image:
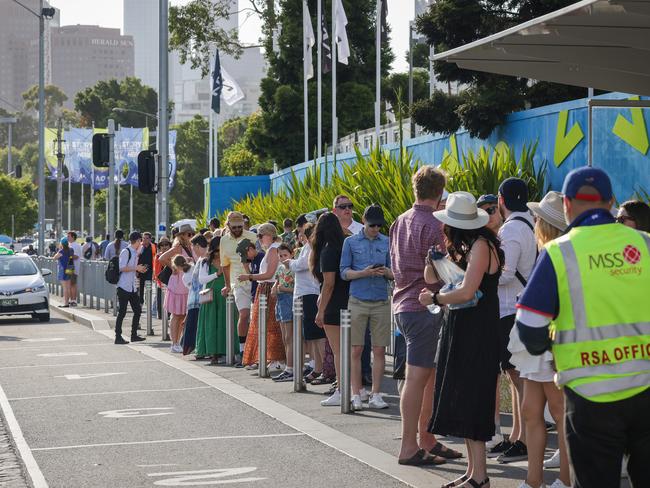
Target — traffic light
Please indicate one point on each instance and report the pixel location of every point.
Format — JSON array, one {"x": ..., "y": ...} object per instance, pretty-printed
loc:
[
  {"x": 18, "y": 171},
  {"x": 101, "y": 150},
  {"x": 147, "y": 172}
]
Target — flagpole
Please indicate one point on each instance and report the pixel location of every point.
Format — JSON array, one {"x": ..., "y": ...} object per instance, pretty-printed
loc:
[
  {"x": 319, "y": 89},
  {"x": 210, "y": 148},
  {"x": 304, "y": 80},
  {"x": 378, "y": 74},
  {"x": 215, "y": 171},
  {"x": 334, "y": 51}
]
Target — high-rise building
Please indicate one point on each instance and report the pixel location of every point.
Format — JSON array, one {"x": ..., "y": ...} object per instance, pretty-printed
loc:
[
  {"x": 19, "y": 51},
  {"x": 141, "y": 22},
  {"x": 82, "y": 55}
]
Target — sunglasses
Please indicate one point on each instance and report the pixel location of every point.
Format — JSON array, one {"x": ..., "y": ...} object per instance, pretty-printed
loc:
[
  {"x": 624, "y": 218},
  {"x": 491, "y": 210},
  {"x": 345, "y": 206},
  {"x": 234, "y": 227},
  {"x": 374, "y": 225}
]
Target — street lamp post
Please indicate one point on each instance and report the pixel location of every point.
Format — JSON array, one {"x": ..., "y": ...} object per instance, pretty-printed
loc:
[{"x": 162, "y": 139}]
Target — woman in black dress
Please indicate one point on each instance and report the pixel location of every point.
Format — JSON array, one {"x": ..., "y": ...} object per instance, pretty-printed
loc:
[{"x": 468, "y": 363}]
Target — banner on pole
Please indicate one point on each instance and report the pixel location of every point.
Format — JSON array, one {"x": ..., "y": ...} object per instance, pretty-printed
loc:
[{"x": 171, "y": 151}]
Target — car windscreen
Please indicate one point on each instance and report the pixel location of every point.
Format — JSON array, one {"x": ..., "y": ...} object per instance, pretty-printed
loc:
[{"x": 17, "y": 266}]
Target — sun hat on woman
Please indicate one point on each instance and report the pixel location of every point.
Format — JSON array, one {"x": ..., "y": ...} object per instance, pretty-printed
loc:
[
  {"x": 461, "y": 212},
  {"x": 550, "y": 209}
]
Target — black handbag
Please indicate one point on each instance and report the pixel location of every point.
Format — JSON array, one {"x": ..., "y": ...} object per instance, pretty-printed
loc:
[{"x": 164, "y": 275}]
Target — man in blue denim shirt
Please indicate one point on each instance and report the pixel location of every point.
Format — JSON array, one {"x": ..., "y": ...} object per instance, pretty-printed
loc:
[{"x": 365, "y": 262}]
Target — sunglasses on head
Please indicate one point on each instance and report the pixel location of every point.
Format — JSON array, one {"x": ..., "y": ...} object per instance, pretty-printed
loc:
[
  {"x": 491, "y": 210},
  {"x": 345, "y": 206}
]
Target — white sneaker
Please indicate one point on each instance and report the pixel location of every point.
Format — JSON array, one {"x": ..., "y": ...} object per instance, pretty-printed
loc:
[
  {"x": 333, "y": 401},
  {"x": 624, "y": 467},
  {"x": 558, "y": 484},
  {"x": 526, "y": 485},
  {"x": 496, "y": 439},
  {"x": 553, "y": 461},
  {"x": 275, "y": 366},
  {"x": 176, "y": 348},
  {"x": 376, "y": 401},
  {"x": 356, "y": 403},
  {"x": 363, "y": 393}
]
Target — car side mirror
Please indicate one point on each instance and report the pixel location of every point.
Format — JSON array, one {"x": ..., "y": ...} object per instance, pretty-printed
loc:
[{"x": 46, "y": 272}]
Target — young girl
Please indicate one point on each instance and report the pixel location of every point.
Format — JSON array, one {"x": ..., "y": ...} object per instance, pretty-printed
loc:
[
  {"x": 283, "y": 289},
  {"x": 64, "y": 258},
  {"x": 176, "y": 300}
]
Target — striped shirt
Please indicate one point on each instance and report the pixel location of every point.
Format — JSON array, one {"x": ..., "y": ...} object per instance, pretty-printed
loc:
[{"x": 411, "y": 236}]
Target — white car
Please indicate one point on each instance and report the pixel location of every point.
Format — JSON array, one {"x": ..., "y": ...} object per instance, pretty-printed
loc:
[{"x": 23, "y": 290}]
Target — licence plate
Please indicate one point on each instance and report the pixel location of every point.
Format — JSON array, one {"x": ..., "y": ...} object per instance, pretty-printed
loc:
[{"x": 8, "y": 302}]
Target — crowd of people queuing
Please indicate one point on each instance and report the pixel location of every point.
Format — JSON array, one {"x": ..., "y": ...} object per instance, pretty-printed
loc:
[{"x": 454, "y": 344}]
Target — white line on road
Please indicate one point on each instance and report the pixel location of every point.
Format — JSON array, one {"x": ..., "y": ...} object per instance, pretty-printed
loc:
[
  {"x": 61, "y": 354},
  {"x": 31, "y": 465},
  {"x": 52, "y": 346},
  {"x": 110, "y": 393},
  {"x": 77, "y": 364},
  {"x": 167, "y": 441},
  {"x": 43, "y": 339}
]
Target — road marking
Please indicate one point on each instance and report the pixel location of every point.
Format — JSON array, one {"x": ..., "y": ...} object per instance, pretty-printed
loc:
[
  {"x": 348, "y": 445},
  {"x": 87, "y": 376},
  {"x": 77, "y": 364},
  {"x": 61, "y": 354},
  {"x": 129, "y": 413},
  {"x": 205, "y": 477},
  {"x": 110, "y": 393},
  {"x": 38, "y": 480},
  {"x": 44, "y": 339},
  {"x": 156, "y": 465},
  {"x": 25, "y": 348},
  {"x": 168, "y": 441}
]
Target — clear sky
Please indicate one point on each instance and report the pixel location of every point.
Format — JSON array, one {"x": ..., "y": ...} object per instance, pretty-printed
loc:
[{"x": 108, "y": 13}]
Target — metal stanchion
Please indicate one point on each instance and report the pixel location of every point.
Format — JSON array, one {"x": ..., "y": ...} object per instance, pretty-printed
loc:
[
  {"x": 298, "y": 354},
  {"x": 262, "y": 369},
  {"x": 165, "y": 318},
  {"x": 98, "y": 279},
  {"x": 147, "y": 303},
  {"x": 115, "y": 302},
  {"x": 230, "y": 329},
  {"x": 344, "y": 361}
]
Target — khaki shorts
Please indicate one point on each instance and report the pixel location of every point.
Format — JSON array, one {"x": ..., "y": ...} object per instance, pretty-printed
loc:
[
  {"x": 375, "y": 315},
  {"x": 242, "y": 294}
]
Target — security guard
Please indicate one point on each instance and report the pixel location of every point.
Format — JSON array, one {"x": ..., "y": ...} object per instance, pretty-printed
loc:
[{"x": 591, "y": 287}]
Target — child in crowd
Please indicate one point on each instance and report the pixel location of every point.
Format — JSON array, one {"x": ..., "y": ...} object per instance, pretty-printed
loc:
[{"x": 283, "y": 288}]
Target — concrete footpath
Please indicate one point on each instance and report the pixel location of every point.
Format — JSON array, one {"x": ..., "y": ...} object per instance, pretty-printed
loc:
[{"x": 84, "y": 412}]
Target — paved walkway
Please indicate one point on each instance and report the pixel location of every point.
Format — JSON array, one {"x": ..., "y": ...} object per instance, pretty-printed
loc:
[{"x": 93, "y": 414}]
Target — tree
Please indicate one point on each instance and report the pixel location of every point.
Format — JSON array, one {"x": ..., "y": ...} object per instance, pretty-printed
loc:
[
  {"x": 281, "y": 98},
  {"x": 23, "y": 131},
  {"x": 395, "y": 82},
  {"x": 194, "y": 32},
  {"x": 420, "y": 55},
  {"x": 54, "y": 100},
  {"x": 95, "y": 104},
  {"x": 192, "y": 166},
  {"x": 488, "y": 98},
  {"x": 239, "y": 160},
  {"x": 17, "y": 201}
]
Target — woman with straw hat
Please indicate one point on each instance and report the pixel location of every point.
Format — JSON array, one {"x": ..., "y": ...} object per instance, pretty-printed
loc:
[
  {"x": 537, "y": 371},
  {"x": 468, "y": 351}
]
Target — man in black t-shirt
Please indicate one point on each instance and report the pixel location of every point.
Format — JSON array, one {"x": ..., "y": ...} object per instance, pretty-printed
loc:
[{"x": 145, "y": 258}]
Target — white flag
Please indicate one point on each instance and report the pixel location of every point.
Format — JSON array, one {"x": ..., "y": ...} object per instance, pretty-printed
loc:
[
  {"x": 231, "y": 92},
  {"x": 341, "y": 34},
  {"x": 309, "y": 40}
]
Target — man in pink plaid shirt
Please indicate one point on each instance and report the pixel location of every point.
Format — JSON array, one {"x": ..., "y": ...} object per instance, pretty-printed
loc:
[{"x": 411, "y": 236}]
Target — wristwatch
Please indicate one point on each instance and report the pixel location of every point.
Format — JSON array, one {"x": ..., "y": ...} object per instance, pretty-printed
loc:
[
  {"x": 250, "y": 277},
  {"x": 434, "y": 297}
]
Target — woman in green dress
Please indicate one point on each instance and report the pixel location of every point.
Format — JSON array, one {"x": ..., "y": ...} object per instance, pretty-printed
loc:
[{"x": 211, "y": 333}]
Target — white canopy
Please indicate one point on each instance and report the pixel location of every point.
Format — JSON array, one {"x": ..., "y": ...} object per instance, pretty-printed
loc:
[{"x": 593, "y": 43}]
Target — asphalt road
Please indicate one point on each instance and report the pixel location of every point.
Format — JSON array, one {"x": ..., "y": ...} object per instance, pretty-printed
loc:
[{"x": 95, "y": 414}]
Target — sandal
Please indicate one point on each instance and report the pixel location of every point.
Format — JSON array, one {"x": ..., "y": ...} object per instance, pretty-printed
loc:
[
  {"x": 422, "y": 458},
  {"x": 321, "y": 380},
  {"x": 445, "y": 452},
  {"x": 312, "y": 377},
  {"x": 476, "y": 484},
  {"x": 456, "y": 482}
]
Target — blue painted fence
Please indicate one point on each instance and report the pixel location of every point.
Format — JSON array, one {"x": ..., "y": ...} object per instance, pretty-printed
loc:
[{"x": 620, "y": 146}]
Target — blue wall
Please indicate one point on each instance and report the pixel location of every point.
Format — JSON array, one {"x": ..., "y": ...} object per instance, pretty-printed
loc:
[
  {"x": 219, "y": 193},
  {"x": 628, "y": 166}
]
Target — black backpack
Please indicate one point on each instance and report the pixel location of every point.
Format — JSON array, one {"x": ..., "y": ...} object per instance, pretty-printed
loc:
[{"x": 112, "y": 273}]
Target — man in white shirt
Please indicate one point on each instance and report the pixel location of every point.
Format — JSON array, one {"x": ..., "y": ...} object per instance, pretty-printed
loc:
[
  {"x": 342, "y": 208},
  {"x": 126, "y": 290},
  {"x": 76, "y": 259},
  {"x": 520, "y": 248}
]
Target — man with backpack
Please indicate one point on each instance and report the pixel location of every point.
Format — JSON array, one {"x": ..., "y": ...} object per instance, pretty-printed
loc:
[
  {"x": 520, "y": 248},
  {"x": 122, "y": 271},
  {"x": 90, "y": 249}
]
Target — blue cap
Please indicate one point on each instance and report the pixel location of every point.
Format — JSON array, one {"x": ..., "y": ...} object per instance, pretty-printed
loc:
[
  {"x": 515, "y": 194},
  {"x": 489, "y": 198},
  {"x": 589, "y": 176},
  {"x": 64, "y": 241}
]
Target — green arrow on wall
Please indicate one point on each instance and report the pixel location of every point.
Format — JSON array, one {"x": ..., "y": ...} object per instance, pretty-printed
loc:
[
  {"x": 565, "y": 142},
  {"x": 634, "y": 133}
]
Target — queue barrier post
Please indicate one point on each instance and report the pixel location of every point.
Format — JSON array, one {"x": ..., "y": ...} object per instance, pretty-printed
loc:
[
  {"x": 298, "y": 353},
  {"x": 230, "y": 329},
  {"x": 148, "y": 288},
  {"x": 262, "y": 369},
  {"x": 345, "y": 353},
  {"x": 115, "y": 302}
]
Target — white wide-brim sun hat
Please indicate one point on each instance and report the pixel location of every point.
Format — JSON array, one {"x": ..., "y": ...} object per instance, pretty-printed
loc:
[
  {"x": 461, "y": 212},
  {"x": 551, "y": 209}
]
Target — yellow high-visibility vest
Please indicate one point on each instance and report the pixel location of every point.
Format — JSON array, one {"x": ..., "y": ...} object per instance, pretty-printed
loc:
[{"x": 602, "y": 332}]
